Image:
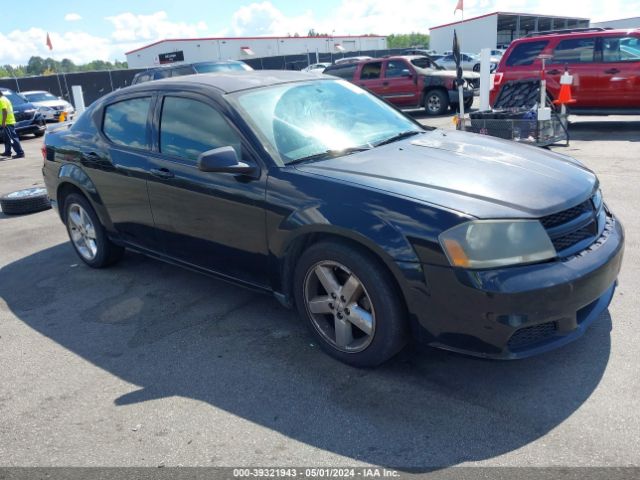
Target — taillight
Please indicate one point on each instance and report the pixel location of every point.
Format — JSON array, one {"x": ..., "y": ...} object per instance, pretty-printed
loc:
[
  {"x": 44, "y": 152},
  {"x": 497, "y": 79}
]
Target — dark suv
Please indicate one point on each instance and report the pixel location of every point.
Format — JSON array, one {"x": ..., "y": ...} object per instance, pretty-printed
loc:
[
  {"x": 28, "y": 117},
  {"x": 178, "y": 70},
  {"x": 605, "y": 65}
]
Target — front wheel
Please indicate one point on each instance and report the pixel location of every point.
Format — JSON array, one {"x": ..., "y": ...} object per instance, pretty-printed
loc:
[
  {"x": 88, "y": 236},
  {"x": 350, "y": 304},
  {"x": 436, "y": 102}
]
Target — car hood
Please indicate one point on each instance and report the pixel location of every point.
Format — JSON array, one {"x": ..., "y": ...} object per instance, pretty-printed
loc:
[
  {"x": 24, "y": 107},
  {"x": 473, "y": 174},
  {"x": 52, "y": 103},
  {"x": 447, "y": 73}
]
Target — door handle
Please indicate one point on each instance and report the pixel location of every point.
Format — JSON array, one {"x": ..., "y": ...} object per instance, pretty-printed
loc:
[
  {"x": 162, "y": 173},
  {"x": 385, "y": 84},
  {"x": 612, "y": 71},
  {"x": 553, "y": 72}
]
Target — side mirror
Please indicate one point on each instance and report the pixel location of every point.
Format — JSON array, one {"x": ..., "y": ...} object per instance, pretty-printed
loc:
[{"x": 224, "y": 160}]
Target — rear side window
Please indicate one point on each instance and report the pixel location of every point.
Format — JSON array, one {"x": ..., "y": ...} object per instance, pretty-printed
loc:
[
  {"x": 164, "y": 73},
  {"x": 346, "y": 72},
  {"x": 574, "y": 50},
  {"x": 189, "y": 127},
  {"x": 125, "y": 122},
  {"x": 177, "y": 72},
  {"x": 525, "y": 53},
  {"x": 621, "y": 49},
  {"x": 371, "y": 71}
]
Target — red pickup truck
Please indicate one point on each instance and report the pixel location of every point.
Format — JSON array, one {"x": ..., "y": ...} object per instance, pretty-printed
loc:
[{"x": 409, "y": 81}]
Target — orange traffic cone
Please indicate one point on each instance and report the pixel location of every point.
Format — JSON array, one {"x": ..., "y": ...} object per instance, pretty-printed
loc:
[
  {"x": 63, "y": 117},
  {"x": 564, "y": 98}
]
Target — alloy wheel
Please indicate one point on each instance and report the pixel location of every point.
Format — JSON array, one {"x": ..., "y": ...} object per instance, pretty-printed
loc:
[
  {"x": 82, "y": 231},
  {"x": 339, "y": 306}
]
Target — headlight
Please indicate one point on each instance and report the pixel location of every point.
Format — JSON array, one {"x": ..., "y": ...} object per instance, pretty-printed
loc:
[
  {"x": 496, "y": 243},
  {"x": 44, "y": 109}
]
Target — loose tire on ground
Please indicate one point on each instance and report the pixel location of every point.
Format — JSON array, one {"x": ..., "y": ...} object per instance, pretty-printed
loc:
[
  {"x": 88, "y": 236},
  {"x": 359, "y": 318},
  {"x": 436, "y": 102},
  {"x": 29, "y": 200}
]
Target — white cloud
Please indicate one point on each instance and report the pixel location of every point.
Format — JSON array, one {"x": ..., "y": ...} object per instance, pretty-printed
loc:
[
  {"x": 258, "y": 19},
  {"x": 72, "y": 17},
  {"x": 130, "y": 27}
]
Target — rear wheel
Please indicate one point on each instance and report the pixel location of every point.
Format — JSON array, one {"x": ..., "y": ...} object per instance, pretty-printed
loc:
[
  {"x": 436, "y": 102},
  {"x": 350, "y": 304},
  {"x": 88, "y": 236}
]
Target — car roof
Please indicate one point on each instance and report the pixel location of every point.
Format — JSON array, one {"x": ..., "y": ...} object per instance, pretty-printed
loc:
[
  {"x": 595, "y": 32},
  {"x": 233, "y": 81},
  {"x": 187, "y": 64},
  {"x": 36, "y": 91}
]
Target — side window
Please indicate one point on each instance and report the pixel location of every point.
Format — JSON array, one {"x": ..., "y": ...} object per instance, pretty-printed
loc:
[
  {"x": 179, "y": 71},
  {"x": 574, "y": 50},
  {"x": 526, "y": 53},
  {"x": 189, "y": 127},
  {"x": 397, "y": 69},
  {"x": 163, "y": 73},
  {"x": 125, "y": 122},
  {"x": 621, "y": 49},
  {"x": 371, "y": 71},
  {"x": 346, "y": 72}
]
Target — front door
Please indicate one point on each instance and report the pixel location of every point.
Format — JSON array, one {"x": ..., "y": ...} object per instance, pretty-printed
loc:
[
  {"x": 399, "y": 85},
  {"x": 210, "y": 220},
  {"x": 371, "y": 77},
  {"x": 579, "y": 56}
]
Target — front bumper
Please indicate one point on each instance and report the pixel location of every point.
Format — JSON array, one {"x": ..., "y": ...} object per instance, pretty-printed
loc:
[
  {"x": 35, "y": 125},
  {"x": 466, "y": 94},
  {"x": 519, "y": 311}
]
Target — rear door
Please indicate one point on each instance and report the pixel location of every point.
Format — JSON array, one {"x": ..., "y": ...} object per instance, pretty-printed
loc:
[
  {"x": 399, "y": 83},
  {"x": 619, "y": 71},
  {"x": 371, "y": 77},
  {"x": 210, "y": 220},
  {"x": 118, "y": 165},
  {"x": 578, "y": 54}
]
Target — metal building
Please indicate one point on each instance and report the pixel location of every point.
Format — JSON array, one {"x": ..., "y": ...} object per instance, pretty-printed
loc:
[
  {"x": 497, "y": 30},
  {"x": 629, "y": 23},
  {"x": 243, "y": 48}
]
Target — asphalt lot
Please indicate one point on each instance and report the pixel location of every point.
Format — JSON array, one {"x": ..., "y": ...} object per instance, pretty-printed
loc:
[{"x": 147, "y": 364}]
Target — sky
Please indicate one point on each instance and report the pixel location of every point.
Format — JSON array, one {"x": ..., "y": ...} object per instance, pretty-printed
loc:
[{"x": 85, "y": 30}]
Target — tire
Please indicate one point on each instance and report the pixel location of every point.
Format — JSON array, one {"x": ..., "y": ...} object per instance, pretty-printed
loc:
[
  {"x": 88, "y": 236},
  {"x": 39, "y": 133},
  {"x": 436, "y": 102},
  {"x": 476, "y": 67},
  {"x": 468, "y": 103},
  {"x": 373, "y": 320},
  {"x": 29, "y": 200}
]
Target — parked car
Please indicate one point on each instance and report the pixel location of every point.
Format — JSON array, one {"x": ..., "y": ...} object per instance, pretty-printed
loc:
[
  {"x": 357, "y": 59},
  {"x": 28, "y": 119},
  {"x": 604, "y": 64},
  {"x": 316, "y": 67},
  {"x": 419, "y": 51},
  {"x": 375, "y": 227},
  {"x": 468, "y": 62},
  {"x": 401, "y": 81},
  {"x": 177, "y": 70},
  {"x": 49, "y": 105}
]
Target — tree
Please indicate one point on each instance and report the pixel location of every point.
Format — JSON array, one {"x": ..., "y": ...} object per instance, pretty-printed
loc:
[
  {"x": 406, "y": 40},
  {"x": 35, "y": 66}
]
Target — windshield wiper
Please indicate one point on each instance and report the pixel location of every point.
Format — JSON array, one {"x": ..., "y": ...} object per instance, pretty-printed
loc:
[
  {"x": 399, "y": 136},
  {"x": 328, "y": 154}
]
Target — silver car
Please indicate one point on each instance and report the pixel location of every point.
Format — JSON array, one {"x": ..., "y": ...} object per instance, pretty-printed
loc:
[{"x": 50, "y": 106}]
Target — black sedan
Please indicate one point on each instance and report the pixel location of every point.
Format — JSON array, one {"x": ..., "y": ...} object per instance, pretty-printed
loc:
[{"x": 377, "y": 229}]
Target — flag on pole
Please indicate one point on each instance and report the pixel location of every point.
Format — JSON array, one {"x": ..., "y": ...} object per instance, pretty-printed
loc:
[
  {"x": 459, "y": 6},
  {"x": 457, "y": 57},
  {"x": 49, "y": 44}
]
